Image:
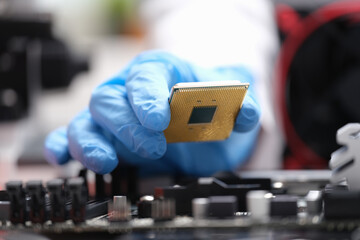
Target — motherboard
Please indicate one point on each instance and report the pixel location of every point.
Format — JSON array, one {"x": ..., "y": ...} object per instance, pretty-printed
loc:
[{"x": 279, "y": 205}]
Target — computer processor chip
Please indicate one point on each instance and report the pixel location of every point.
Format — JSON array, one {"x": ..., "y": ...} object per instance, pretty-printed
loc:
[{"x": 204, "y": 111}]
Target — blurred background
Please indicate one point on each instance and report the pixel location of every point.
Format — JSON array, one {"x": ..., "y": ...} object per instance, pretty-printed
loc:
[
  {"x": 304, "y": 54},
  {"x": 52, "y": 55}
]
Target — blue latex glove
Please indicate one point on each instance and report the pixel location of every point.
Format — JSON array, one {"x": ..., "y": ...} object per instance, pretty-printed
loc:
[{"x": 127, "y": 116}]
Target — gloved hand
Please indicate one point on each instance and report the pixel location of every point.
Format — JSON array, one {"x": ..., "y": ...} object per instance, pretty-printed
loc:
[{"x": 128, "y": 114}]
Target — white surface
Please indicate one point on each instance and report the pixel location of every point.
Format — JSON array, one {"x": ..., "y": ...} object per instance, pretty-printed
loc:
[
  {"x": 349, "y": 137},
  {"x": 289, "y": 175}
]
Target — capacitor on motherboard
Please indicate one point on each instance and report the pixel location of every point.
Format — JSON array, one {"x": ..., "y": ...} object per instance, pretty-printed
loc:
[
  {"x": 258, "y": 204},
  {"x": 120, "y": 209},
  {"x": 200, "y": 208}
]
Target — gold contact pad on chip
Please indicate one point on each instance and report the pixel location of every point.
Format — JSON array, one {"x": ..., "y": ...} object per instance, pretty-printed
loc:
[{"x": 226, "y": 99}]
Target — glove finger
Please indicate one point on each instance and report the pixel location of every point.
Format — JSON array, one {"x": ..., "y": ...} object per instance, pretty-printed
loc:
[
  {"x": 148, "y": 93},
  {"x": 111, "y": 110},
  {"x": 249, "y": 115},
  {"x": 88, "y": 145},
  {"x": 150, "y": 77},
  {"x": 56, "y": 147}
]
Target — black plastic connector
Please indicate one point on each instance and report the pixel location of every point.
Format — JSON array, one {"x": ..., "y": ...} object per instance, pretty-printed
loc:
[
  {"x": 57, "y": 200},
  {"x": 36, "y": 193},
  {"x": 17, "y": 202},
  {"x": 78, "y": 196}
]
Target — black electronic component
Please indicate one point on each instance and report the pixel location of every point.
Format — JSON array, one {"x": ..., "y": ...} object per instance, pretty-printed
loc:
[
  {"x": 17, "y": 201},
  {"x": 144, "y": 206},
  {"x": 4, "y": 206},
  {"x": 314, "y": 202},
  {"x": 58, "y": 207},
  {"x": 223, "y": 206},
  {"x": 4, "y": 196},
  {"x": 57, "y": 200},
  {"x": 78, "y": 196},
  {"x": 124, "y": 181},
  {"x": 206, "y": 187},
  {"x": 100, "y": 187},
  {"x": 36, "y": 193},
  {"x": 284, "y": 206},
  {"x": 201, "y": 115},
  {"x": 96, "y": 209},
  {"x": 341, "y": 204},
  {"x": 4, "y": 211}
]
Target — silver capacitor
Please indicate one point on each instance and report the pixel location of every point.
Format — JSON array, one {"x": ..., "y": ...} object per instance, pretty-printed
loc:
[
  {"x": 200, "y": 208},
  {"x": 120, "y": 209},
  {"x": 258, "y": 204}
]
